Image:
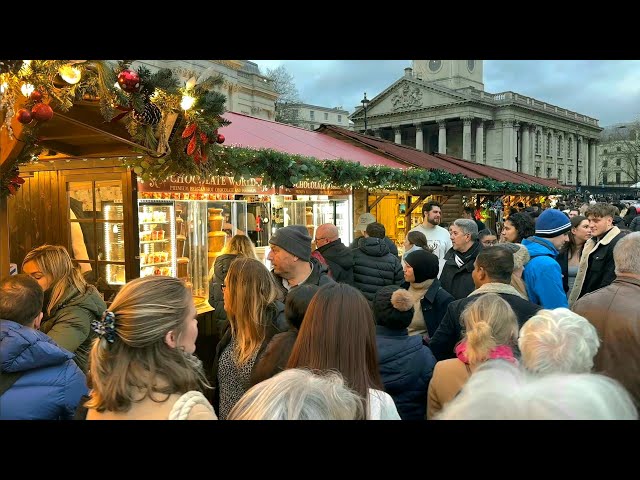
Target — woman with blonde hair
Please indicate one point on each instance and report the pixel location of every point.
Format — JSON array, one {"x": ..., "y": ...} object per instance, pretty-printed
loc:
[
  {"x": 299, "y": 394},
  {"x": 255, "y": 316},
  {"x": 238, "y": 246},
  {"x": 491, "y": 332},
  {"x": 70, "y": 303},
  {"x": 142, "y": 367}
]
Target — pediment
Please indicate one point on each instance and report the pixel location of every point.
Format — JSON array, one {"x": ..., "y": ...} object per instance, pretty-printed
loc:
[{"x": 407, "y": 95}]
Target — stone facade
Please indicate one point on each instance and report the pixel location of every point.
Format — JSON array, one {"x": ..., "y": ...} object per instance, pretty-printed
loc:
[
  {"x": 247, "y": 91},
  {"x": 619, "y": 156},
  {"x": 441, "y": 106},
  {"x": 311, "y": 116}
]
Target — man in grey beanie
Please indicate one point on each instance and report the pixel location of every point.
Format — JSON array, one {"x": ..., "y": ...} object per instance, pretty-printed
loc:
[{"x": 290, "y": 256}]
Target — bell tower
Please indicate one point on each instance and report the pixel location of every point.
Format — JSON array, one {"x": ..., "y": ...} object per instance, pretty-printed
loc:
[{"x": 452, "y": 74}]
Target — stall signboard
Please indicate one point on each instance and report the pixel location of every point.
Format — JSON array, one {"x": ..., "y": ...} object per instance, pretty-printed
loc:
[{"x": 187, "y": 187}]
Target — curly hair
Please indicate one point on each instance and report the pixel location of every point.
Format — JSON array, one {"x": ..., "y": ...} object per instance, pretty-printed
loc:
[{"x": 524, "y": 225}]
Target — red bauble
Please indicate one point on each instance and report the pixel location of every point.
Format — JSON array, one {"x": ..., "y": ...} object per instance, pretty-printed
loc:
[
  {"x": 129, "y": 81},
  {"x": 36, "y": 96},
  {"x": 24, "y": 116},
  {"x": 220, "y": 138},
  {"x": 42, "y": 112}
]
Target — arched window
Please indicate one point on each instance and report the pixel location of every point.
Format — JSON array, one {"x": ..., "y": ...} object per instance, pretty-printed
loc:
[
  {"x": 538, "y": 142},
  {"x": 559, "y": 154},
  {"x": 549, "y": 144}
]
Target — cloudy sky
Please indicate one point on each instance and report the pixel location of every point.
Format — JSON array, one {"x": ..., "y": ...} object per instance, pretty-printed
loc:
[{"x": 608, "y": 90}]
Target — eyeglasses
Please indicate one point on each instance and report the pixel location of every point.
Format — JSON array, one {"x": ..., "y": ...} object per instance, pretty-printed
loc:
[{"x": 489, "y": 243}]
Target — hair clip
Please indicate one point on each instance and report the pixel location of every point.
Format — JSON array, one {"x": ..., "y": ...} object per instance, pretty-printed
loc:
[{"x": 106, "y": 326}]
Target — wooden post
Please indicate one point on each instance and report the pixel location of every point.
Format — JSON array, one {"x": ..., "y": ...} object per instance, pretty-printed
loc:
[{"x": 4, "y": 237}]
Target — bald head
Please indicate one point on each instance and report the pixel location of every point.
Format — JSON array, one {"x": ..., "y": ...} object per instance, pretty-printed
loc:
[{"x": 325, "y": 233}]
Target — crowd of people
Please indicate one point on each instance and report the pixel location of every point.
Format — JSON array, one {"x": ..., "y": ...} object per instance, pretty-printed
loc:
[{"x": 538, "y": 321}]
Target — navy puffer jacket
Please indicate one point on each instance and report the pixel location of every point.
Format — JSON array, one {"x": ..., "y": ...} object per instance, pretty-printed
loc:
[{"x": 375, "y": 267}]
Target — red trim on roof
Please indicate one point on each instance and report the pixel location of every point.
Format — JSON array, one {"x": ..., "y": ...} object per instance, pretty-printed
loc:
[
  {"x": 256, "y": 133},
  {"x": 439, "y": 161}
]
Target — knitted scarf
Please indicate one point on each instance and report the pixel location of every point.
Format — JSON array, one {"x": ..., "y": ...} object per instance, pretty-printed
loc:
[
  {"x": 496, "y": 288},
  {"x": 501, "y": 351}
]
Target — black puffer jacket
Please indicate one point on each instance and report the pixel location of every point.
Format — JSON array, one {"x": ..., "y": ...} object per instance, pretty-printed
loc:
[
  {"x": 340, "y": 260},
  {"x": 216, "y": 300},
  {"x": 374, "y": 267},
  {"x": 393, "y": 248}
]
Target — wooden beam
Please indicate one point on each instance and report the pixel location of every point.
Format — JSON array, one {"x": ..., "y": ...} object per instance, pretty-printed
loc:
[
  {"x": 376, "y": 201},
  {"x": 410, "y": 209},
  {"x": 4, "y": 237}
]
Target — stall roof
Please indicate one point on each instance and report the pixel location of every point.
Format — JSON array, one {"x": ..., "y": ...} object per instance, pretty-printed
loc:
[
  {"x": 251, "y": 132},
  {"x": 435, "y": 161}
]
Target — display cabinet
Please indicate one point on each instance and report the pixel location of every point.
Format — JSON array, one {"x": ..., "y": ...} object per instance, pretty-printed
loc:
[
  {"x": 156, "y": 227},
  {"x": 113, "y": 237}
]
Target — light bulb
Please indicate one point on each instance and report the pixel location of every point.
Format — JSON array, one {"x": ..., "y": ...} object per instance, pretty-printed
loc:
[
  {"x": 117, "y": 85},
  {"x": 4, "y": 87},
  {"x": 70, "y": 74},
  {"x": 187, "y": 102},
  {"x": 27, "y": 89}
]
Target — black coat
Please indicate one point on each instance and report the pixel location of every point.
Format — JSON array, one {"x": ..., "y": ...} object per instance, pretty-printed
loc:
[
  {"x": 275, "y": 322},
  {"x": 406, "y": 367},
  {"x": 563, "y": 260},
  {"x": 374, "y": 267},
  {"x": 340, "y": 260},
  {"x": 434, "y": 305},
  {"x": 601, "y": 270},
  {"x": 216, "y": 299},
  {"x": 450, "y": 330},
  {"x": 457, "y": 280},
  {"x": 393, "y": 248}
]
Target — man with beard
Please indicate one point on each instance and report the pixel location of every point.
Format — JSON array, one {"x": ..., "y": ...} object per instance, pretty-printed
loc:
[
  {"x": 338, "y": 256},
  {"x": 437, "y": 237}
]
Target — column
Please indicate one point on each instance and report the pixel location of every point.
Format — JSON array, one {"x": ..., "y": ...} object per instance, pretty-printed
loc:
[
  {"x": 592, "y": 164},
  {"x": 466, "y": 138},
  {"x": 419, "y": 137},
  {"x": 507, "y": 142},
  {"x": 480, "y": 142},
  {"x": 516, "y": 147},
  {"x": 595, "y": 162},
  {"x": 579, "y": 157},
  {"x": 526, "y": 139},
  {"x": 398, "y": 132},
  {"x": 442, "y": 136},
  {"x": 554, "y": 156}
]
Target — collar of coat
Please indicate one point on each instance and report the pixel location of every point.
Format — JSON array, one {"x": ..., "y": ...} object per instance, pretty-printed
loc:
[
  {"x": 611, "y": 234},
  {"x": 496, "y": 288}
]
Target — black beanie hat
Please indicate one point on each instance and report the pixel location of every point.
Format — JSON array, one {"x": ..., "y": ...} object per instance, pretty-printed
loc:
[
  {"x": 425, "y": 265},
  {"x": 393, "y": 307},
  {"x": 294, "y": 239}
]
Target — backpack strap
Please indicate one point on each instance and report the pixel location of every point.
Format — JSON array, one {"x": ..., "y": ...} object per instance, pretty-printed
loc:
[{"x": 8, "y": 379}]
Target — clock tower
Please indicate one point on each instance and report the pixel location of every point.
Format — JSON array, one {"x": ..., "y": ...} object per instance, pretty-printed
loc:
[{"x": 452, "y": 74}]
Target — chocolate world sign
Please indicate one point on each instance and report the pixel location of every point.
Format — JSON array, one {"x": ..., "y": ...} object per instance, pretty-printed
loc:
[{"x": 221, "y": 184}]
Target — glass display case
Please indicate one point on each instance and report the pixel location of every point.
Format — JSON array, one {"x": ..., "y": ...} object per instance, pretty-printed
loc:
[
  {"x": 156, "y": 227},
  {"x": 312, "y": 212},
  {"x": 113, "y": 233}
]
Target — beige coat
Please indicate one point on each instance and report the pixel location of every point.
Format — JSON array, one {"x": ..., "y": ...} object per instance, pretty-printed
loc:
[
  {"x": 589, "y": 248},
  {"x": 449, "y": 376}
]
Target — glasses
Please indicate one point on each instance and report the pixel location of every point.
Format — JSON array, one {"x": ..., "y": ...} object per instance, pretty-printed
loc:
[{"x": 488, "y": 243}]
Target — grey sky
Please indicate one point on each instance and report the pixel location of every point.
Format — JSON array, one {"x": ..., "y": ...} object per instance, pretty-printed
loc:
[{"x": 608, "y": 90}]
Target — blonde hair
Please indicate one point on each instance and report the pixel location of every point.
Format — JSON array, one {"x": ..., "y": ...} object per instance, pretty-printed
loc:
[
  {"x": 489, "y": 322},
  {"x": 251, "y": 290},
  {"x": 239, "y": 245},
  {"x": 145, "y": 310},
  {"x": 299, "y": 394},
  {"x": 54, "y": 261}
]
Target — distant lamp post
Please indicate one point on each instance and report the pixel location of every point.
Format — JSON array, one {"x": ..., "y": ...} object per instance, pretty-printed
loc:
[{"x": 365, "y": 103}]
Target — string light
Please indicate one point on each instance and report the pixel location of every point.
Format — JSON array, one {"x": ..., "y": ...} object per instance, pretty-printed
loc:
[
  {"x": 70, "y": 74},
  {"x": 187, "y": 102},
  {"x": 27, "y": 89}
]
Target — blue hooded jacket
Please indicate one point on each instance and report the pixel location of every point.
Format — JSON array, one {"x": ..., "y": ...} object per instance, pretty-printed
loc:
[
  {"x": 406, "y": 367},
  {"x": 52, "y": 384},
  {"x": 542, "y": 274}
]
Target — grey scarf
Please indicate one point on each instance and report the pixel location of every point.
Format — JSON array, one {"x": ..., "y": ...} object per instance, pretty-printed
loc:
[{"x": 496, "y": 288}]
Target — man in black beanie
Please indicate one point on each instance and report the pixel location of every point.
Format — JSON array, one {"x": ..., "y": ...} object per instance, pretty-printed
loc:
[
  {"x": 290, "y": 256},
  {"x": 429, "y": 298}
]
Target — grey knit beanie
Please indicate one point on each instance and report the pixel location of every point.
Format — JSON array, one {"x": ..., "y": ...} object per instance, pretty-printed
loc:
[{"x": 294, "y": 239}]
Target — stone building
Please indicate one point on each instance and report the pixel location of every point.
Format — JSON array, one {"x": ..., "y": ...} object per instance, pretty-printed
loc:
[
  {"x": 619, "y": 156},
  {"x": 312, "y": 116},
  {"x": 441, "y": 106}
]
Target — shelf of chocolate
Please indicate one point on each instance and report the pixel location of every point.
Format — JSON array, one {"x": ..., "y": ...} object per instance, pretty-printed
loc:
[
  {"x": 153, "y": 241},
  {"x": 154, "y": 264}
]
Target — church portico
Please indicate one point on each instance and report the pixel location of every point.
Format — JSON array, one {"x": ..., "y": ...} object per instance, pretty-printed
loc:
[{"x": 440, "y": 106}]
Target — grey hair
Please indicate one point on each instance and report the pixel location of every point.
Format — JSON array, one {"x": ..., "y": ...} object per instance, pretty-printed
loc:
[
  {"x": 499, "y": 390},
  {"x": 467, "y": 226},
  {"x": 558, "y": 341},
  {"x": 626, "y": 254},
  {"x": 299, "y": 394}
]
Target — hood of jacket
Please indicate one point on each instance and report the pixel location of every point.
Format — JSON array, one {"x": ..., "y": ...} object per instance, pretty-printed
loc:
[
  {"x": 338, "y": 253},
  {"x": 539, "y": 247},
  {"x": 374, "y": 247},
  {"x": 23, "y": 348},
  {"x": 90, "y": 300},
  {"x": 222, "y": 264},
  {"x": 392, "y": 350}
]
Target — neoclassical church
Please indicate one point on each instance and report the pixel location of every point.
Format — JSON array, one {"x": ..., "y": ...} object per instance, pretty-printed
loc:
[{"x": 441, "y": 106}]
